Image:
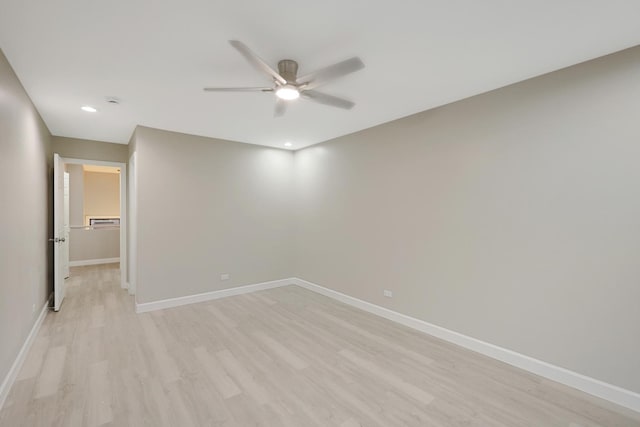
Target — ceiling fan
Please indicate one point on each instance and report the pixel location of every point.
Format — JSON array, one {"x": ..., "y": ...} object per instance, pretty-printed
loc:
[{"x": 288, "y": 86}]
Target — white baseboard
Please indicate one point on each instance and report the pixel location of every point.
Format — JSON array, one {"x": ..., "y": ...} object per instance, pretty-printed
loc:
[
  {"x": 84, "y": 262},
  {"x": 564, "y": 376},
  {"x": 207, "y": 296},
  {"x": 22, "y": 354},
  {"x": 601, "y": 389}
]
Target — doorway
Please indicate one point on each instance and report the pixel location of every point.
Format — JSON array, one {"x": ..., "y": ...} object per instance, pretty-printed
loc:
[{"x": 90, "y": 214}]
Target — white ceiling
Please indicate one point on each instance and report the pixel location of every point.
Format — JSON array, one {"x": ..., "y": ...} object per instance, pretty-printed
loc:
[{"x": 156, "y": 56}]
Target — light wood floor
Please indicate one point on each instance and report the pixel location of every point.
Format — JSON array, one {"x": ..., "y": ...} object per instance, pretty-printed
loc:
[{"x": 283, "y": 357}]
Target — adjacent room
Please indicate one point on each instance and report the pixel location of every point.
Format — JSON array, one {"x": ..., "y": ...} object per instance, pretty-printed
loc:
[
  {"x": 94, "y": 214},
  {"x": 320, "y": 214}
]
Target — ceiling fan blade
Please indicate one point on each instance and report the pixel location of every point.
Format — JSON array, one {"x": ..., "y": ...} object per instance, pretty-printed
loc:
[
  {"x": 256, "y": 61},
  {"x": 323, "y": 98},
  {"x": 331, "y": 72},
  {"x": 238, "y": 89},
  {"x": 280, "y": 108}
]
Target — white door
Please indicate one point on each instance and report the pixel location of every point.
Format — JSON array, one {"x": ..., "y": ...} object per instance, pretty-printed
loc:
[
  {"x": 59, "y": 237},
  {"x": 65, "y": 245}
]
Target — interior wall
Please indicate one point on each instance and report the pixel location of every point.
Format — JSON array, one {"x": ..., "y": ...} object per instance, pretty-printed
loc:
[
  {"x": 25, "y": 170},
  {"x": 208, "y": 207},
  {"x": 512, "y": 217},
  {"x": 101, "y": 195},
  {"x": 76, "y": 194},
  {"x": 94, "y": 244},
  {"x": 91, "y": 150}
]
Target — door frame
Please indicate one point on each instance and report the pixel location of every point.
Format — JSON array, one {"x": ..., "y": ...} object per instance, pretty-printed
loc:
[{"x": 123, "y": 209}]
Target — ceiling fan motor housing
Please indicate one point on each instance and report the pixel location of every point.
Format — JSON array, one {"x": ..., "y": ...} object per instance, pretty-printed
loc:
[{"x": 288, "y": 69}]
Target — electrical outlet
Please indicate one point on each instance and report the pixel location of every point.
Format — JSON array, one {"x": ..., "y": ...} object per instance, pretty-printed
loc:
[
  {"x": 33, "y": 308},
  {"x": 387, "y": 293},
  {"x": 225, "y": 276}
]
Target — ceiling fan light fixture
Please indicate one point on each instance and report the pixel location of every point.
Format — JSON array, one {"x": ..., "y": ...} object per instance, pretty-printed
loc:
[{"x": 288, "y": 92}]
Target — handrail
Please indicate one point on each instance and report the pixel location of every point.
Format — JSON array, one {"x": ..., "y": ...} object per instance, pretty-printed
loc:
[{"x": 94, "y": 227}]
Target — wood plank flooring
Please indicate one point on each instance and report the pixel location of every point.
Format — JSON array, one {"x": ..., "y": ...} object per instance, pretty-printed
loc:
[{"x": 282, "y": 357}]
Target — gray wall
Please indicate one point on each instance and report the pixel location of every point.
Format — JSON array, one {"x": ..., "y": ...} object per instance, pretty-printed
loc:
[
  {"x": 512, "y": 217},
  {"x": 76, "y": 194},
  {"x": 25, "y": 171},
  {"x": 207, "y": 207},
  {"x": 94, "y": 244},
  {"x": 91, "y": 150}
]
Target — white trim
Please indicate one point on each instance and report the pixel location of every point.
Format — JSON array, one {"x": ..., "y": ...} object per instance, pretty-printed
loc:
[
  {"x": 94, "y": 262},
  {"x": 75, "y": 161},
  {"x": 123, "y": 226},
  {"x": 132, "y": 259},
  {"x": 601, "y": 389},
  {"x": 5, "y": 388},
  {"x": 207, "y": 296}
]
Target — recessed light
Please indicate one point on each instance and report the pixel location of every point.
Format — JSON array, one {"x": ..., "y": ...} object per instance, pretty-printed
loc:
[
  {"x": 288, "y": 144},
  {"x": 88, "y": 109}
]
